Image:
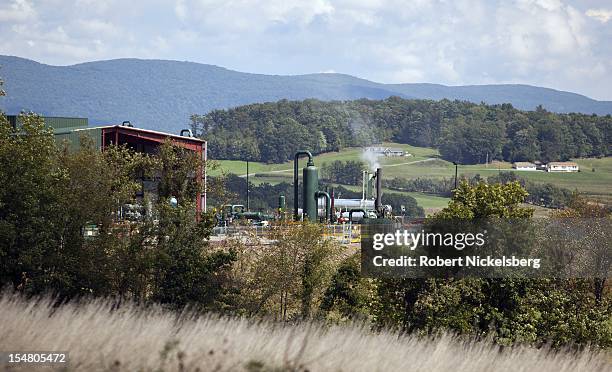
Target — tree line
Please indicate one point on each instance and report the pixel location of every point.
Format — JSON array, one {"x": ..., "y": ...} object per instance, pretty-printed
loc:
[{"x": 462, "y": 131}]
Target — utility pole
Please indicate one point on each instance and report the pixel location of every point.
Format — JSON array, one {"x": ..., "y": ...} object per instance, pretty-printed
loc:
[
  {"x": 364, "y": 181},
  {"x": 455, "y": 174},
  {"x": 247, "y": 180}
]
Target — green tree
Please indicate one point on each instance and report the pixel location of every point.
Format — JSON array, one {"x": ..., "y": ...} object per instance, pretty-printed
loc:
[
  {"x": 349, "y": 296},
  {"x": 512, "y": 310},
  {"x": 187, "y": 270},
  {"x": 345, "y": 172},
  {"x": 50, "y": 197},
  {"x": 470, "y": 140},
  {"x": 462, "y": 131},
  {"x": 287, "y": 279},
  {"x": 487, "y": 200},
  {"x": 29, "y": 199}
]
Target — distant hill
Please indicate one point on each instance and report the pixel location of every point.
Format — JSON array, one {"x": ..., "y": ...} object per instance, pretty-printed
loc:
[{"x": 161, "y": 95}]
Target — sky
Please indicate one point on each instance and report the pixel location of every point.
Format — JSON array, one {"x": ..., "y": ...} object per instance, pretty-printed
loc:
[{"x": 561, "y": 44}]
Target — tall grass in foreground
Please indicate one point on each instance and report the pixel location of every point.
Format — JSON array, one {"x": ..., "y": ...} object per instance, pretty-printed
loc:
[{"x": 134, "y": 339}]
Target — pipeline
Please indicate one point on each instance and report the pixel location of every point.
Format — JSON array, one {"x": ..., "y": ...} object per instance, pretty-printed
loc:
[
  {"x": 318, "y": 194},
  {"x": 295, "y": 179},
  {"x": 365, "y": 214},
  {"x": 378, "y": 203},
  {"x": 353, "y": 203},
  {"x": 332, "y": 206}
]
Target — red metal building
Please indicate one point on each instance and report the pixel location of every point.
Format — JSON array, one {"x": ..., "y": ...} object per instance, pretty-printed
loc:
[
  {"x": 69, "y": 130},
  {"x": 147, "y": 141}
]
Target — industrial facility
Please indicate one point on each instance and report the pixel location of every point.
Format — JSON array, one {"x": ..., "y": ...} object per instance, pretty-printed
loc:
[
  {"x": 315, "y": 205},
  {"x": 341, "y": 217},
  {"x": 70, "y": 130}
]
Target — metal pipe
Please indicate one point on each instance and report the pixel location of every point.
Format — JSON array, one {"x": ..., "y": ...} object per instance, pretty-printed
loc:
[
  {"x": 318, "y": 194},
  {"x": 295, "y": 179},
  {"x": 365, "y": 214},
  {"x": 186, "y": 131},
  {"x": 332, "y": 205},
  {"x": 353, "y": 203},
  {"x": 364, "y": 180},
  {"x": 205, "y": 158},
  {"x": 378, "y": 203},
  {"x": 247, "y": 184}
]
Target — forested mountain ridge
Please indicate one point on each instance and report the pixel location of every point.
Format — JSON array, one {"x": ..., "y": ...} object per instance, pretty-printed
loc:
[
  {"x": 161, "y": 95},
  {"x": 462, "y": 131}
]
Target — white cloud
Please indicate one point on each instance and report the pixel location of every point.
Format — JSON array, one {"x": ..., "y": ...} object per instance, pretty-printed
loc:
[
  {"x": 602, "y": 15},
  {"x": 16, "y": 11},
  {"x": 96, "y": 28},
  {"x": 251, "y": 16},
  {"x": 180, "y": 9},
  {"x": 552, "y": 43}
]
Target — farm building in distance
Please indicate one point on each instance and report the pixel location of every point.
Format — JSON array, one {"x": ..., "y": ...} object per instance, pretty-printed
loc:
[
  {"x": 562, "y": 166},
  {"x": 555, "y": 166},
  {"x": 524, "y": 166},
  {"x": 386, "y": 151},
  {"x": 70, "y": 130}
]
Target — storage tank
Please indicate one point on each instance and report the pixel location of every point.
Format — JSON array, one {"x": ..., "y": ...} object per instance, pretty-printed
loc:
[
  {"x": 296, "y": 197},
  {"x": 310, "y": 178},
  {"x": 353, "y": 203},
  {"x": 281, "y": 206},
  {"x": 281, "y": 203}
]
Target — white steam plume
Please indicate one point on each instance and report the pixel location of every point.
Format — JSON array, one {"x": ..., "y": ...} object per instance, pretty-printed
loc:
[{"x": 371, "y": 158}]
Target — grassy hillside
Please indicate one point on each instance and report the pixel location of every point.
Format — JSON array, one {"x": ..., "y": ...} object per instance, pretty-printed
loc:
[
  {"x": 129, "y": 89},
  {"x": 425, "y": 162},
  {"x": 354, "y": 153},
  {"x": 101, "y": 338}
]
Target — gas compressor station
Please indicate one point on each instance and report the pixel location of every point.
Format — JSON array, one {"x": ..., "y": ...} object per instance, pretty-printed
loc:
[{"x": 342, "y": 217}]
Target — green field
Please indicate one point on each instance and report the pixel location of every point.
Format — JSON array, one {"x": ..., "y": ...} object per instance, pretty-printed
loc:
[
  {"x": 352, "y": 153},
  {"x": 431, "y": 203},
  {"x": 425, "y": 162}
]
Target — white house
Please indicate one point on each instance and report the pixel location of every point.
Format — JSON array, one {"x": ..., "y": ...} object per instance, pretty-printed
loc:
[
  {"x": 562, "y": 166},
  {"x": 524, "y": 166},
  {"x": 386, "y": 151}
]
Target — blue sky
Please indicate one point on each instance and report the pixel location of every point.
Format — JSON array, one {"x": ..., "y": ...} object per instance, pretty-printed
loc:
[{"x": 560, "y": 44}]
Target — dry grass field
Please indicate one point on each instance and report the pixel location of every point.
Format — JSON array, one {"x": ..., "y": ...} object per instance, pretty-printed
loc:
[{"x": 132, "y": 339}]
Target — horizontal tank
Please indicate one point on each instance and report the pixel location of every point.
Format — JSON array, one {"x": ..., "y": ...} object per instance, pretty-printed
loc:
[
  {"x": 353, "y": 203},
  {"x": 357, "y": 216},
  {"x": 371, "y": 212}
]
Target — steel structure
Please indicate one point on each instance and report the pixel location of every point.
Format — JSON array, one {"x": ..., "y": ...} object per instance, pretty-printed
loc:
[{"x": 147, "y": 141}]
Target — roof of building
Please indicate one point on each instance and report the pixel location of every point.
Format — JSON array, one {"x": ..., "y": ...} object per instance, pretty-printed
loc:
[
  {"x": 524, "y": 164},
  {"x": 126, "y": 128},
  {"x": 563, "y": 163},
  {"x": 375, "y": 148}
]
